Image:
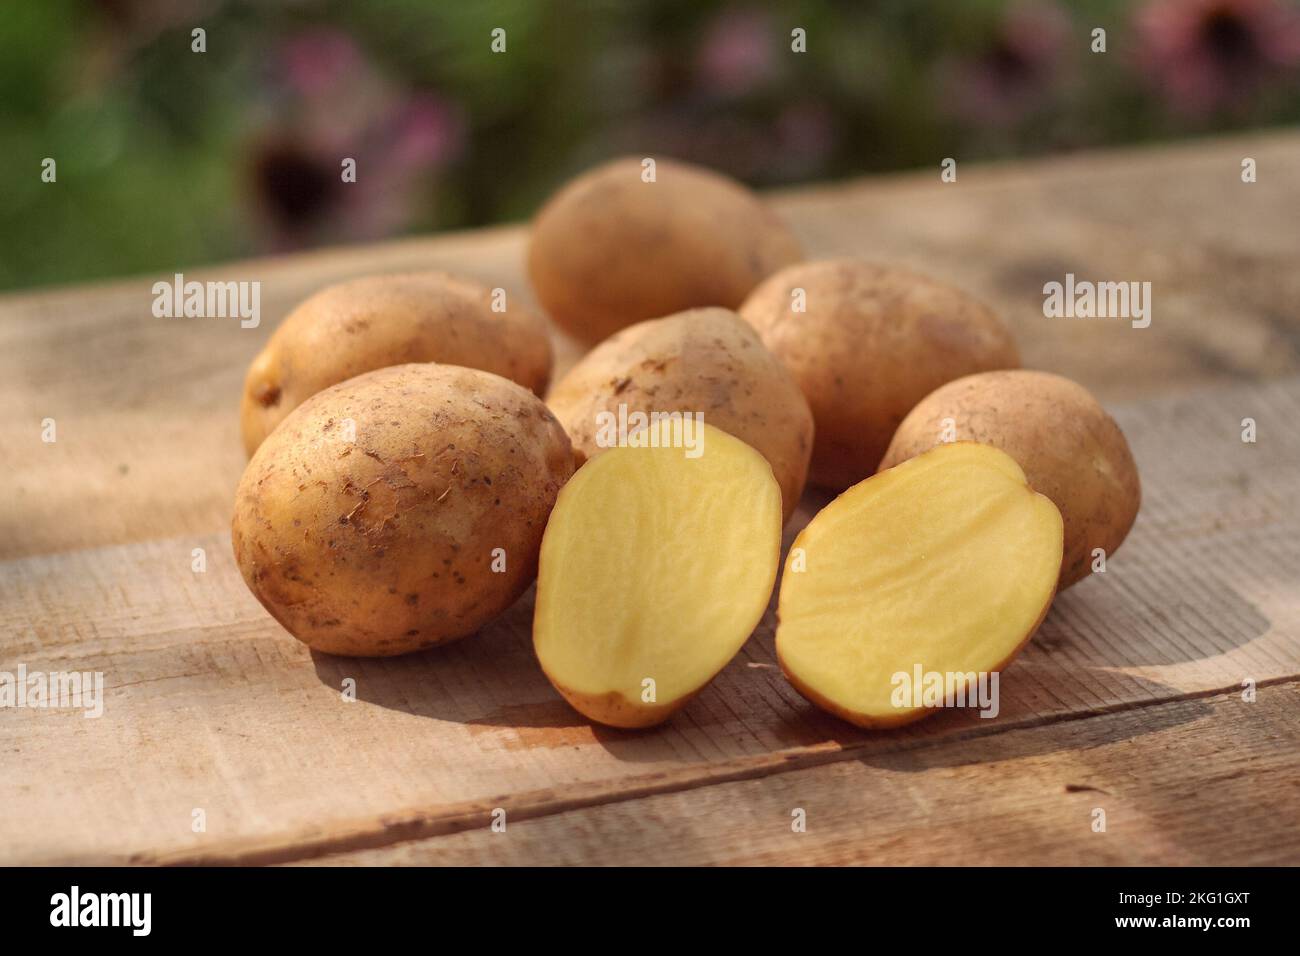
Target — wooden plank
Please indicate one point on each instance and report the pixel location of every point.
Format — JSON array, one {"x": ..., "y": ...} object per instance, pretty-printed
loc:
[
  {"x": 146, "y": 408},
  {"x": 212, "y": 706},
  {"x": 1202, "y": 781}
]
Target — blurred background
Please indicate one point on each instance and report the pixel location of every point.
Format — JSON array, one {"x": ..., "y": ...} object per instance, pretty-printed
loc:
[{"x": 167, "y": 158}]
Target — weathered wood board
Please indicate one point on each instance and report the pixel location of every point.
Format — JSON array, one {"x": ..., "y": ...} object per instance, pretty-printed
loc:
[
  {"x": 1008, "y": 798},
  {"x": 1133, "y": 686}
]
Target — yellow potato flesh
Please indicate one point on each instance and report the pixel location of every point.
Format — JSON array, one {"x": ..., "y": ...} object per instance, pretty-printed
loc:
[
  {"x": 947, "y": 562},
  {"x": 655, "y": 566}
]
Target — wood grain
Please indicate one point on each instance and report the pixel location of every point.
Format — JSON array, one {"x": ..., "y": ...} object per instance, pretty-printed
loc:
[
  {"x": 217, "y": 708},
  {"x": 211, "y": 705},
  {"x": 1190, "y": 782}
]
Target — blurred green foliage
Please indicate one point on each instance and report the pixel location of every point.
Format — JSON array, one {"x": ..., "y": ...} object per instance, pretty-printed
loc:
[{"x": 169, "y": 158}]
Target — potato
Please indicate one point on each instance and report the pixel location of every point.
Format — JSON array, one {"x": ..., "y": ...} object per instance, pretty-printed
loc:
[
  {"x": 944, "y": 565},
  {"x": 370, "y": 323},
  {"x": 657, "y": 564},
  {"x": 399, "y": 509},
  {"x": 704, "y": 360},
  {"x": 872, "y": 341},
  {"x": 609, "y": 249},
  {"x": 1072, "y": 451}
]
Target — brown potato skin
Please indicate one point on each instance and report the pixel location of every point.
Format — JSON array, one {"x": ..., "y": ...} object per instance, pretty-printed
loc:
[
  {"x": 1071, "y": 450},
  {"x": 609, "y": 250},
  {"x": 615, "y": 710},
  {"x": 701, "y": 360},
  {"x": 873, "y": 342},
  {"x": 384, "y": 545},
  {"x": 377, "y": 321}
]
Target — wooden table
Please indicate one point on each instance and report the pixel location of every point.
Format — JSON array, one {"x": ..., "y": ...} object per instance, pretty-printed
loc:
[{"x": 1130, "y": 700}]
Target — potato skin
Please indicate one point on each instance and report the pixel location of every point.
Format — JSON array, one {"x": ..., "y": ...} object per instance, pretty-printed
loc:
[
  {"x": 377, "y": 321},
  {"x": 385, "y": 545},
  {"x": 615, "y": 710},
  {"x": 609, "y": 250},
  {"x": 701, "y": 360},
  {"x": 874, "y": 340},
  {"x": 1071, "y": 450}
]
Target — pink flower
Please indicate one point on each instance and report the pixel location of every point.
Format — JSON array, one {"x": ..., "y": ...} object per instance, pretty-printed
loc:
[
  {"x": 1210, "y": 54},
  {"x": 316, "y": 61},
  {"x": 1017, "y": 73},
  {"x": 736, "y": 55},
  {"x": 332, "y": 104},
  {"x": 426, "y": 130}
]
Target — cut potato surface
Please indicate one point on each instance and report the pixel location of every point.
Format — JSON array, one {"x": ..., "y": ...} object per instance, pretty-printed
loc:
[
  {"x": 703, "y": 359},
  {"x": 655, "y": 568},
  {"x": 1070, "y": 448},
  {"x": 944, "y": 565}
]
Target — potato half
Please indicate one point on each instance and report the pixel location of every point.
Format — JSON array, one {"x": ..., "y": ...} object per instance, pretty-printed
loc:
[
  {"x": 610, "y": 249},
  {"x": 943, "y": 565},
  {"x": 705, "y": 360},
  {"x": 866, "y": 342},
  {"x": 369, "y": 323},
  {"x": 655, "y": 568},
  {"x": 1072, "y": 451},
  {"x": 399, "y": 509}
]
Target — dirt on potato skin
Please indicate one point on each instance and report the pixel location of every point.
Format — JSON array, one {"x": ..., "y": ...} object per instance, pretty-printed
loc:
[
  {"x": 387, "y": 544},
  {"x": 702, "y": 360},
  {"x": 871, "y": 342}
]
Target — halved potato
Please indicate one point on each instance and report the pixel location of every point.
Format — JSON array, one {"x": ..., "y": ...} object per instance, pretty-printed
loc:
[
  {"x": 947, "y": 562},
  {"x": 655, "y": 568},
  {"x": 709, "y": 361},
  {"x": 1070, "y": 448}
]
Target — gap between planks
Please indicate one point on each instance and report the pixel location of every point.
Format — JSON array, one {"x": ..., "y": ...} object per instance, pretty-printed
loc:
[{"x": 392, "y": 829}]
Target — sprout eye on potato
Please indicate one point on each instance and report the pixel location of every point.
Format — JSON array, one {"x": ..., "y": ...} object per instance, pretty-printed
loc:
[
  {"x": 377, "y": 321},
  {"x": 399, "y": 509},
  {"x": 1072, "y": 451},
  {"x": 704, "y": 360},
  {"x": 866, "y": 342},
  {"x": 610, "y": 249}
]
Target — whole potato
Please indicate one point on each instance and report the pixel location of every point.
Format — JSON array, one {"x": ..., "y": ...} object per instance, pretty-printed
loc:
[
  {"x": 609, "y": 249},
  {"x": 1070, "y": 449},
  {"x": 870, "y": 342},
  {"x": 702, "y": 360},
  {"x": 399, "y": 509},
  {"x": 376, "y": 321}
]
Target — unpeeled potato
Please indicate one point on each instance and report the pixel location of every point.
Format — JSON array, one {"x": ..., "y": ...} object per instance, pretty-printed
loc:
[
  {"x": 364, "y": 324},
  {"x": 400, "y": 509},
  {"x": 610, "y": 249},
  {"x": 1070, "y": 448},
  {"x": 866, "y": 342},
  {"x": 705, "y": 361},
  {"x": 944, "y": 565}
]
